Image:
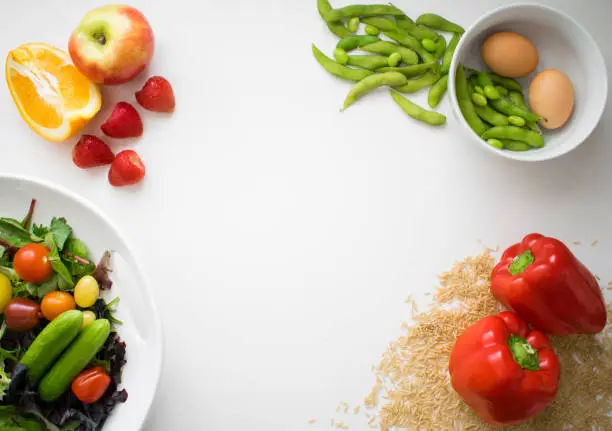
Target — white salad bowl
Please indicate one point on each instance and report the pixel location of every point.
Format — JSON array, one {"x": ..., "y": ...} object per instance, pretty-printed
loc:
[
  {"x": 562, "y": 44},
  {"x": 141, "y": 329}
]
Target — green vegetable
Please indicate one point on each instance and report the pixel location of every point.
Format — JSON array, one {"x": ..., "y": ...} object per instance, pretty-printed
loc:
[
  {"x": 449, "y": 53},
  {"x": 516, "y": 97},
  {"x": 465, "y": 103},
  {"x": 415, "y": 111},
  {"x": 339, "y": 70},
  {"x": 351, "y": 11},
  {"x": 51, "y": 342},
  {"x": 77, "y": 259},
  {"x": 429, "y": 45},
  {"x": 392, "y": 79},
  {"x": 412, "y": 71},
  {"x": 336, "y": 28},
  {"x": 502, "y": 90},
  {"x": 414, "y": 85},
  {"x": 506, "y": 107},
  {"x": 487, "y": 85},
  {"x": 384, "y": 24},
  {"x": 353, "y": 24},
  {"x": 515, "y": 145},
  {"x": 515, "y": 134},
  {"x": 371, "y": 62},
  {"x": 394, "y": 59},
  {"x": 434, "y": 21},
  {"x": 508, "y": 83},
  {"x": 491, "y": 116},
  {"x": 516, "y": 121},
  {"x": 60, "y": 231},
  {"x": 496, "y": 143},
  {"x": 440, "y": 48},
  {"x": 437, "y": 91},
  {"x": 479, "y": 99},
  {"x": 65, "y": 281},
  {"x": 388, "y": 48},
  {"x": 341, "y": 56},
  {"x": 13, "y": 233},
  {"x": 352, "y": 42},
  {"x": 412, "y": 43},
  {"x": 478, "y": 89},
  {"x": 408, "y": 26},
  {"x": 371, "y": 30},
  {"x": 74, "y": 360}
]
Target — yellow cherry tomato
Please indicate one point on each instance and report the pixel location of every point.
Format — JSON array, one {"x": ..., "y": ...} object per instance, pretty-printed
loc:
[
  {"x": 6, "y": 291},
  {"x": 86, "y": 291},
  {"x": 88, "y": 318}
]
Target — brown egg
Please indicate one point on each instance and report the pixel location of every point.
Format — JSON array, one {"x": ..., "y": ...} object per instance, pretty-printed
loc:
[
  {"x": 510, "y": 54},
  {"x": 551, "y": 96}
]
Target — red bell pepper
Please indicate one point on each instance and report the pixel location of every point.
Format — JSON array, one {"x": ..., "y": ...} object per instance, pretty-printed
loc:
[
  {"x": 543, "y": 282},
  {"x": 503, "y": 371}
]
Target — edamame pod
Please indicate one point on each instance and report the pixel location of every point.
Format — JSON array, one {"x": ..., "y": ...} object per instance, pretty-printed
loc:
[
  {"x": 411, "y": 42},
  {"x": 385, "y": 24},
  {"x": 515, "y": 134},
  {"x": 336, "y": 28},
  {"x": 408, "y": 25},
  {"x": 515, "y": 145},
  {"x": 415, "y": 111},
  {"x": 509, "y": 83},
  {"x": 436, "y": 22},
  {"x": 491, "y": 116},
  {"x": 412, "y": 71},
  {"x": 414, "y": 85},
  {"x": 388, "y": 48},
  {"x": 371, "y": 62},
  {"x": 392, "y": 79},
  {"x": 351, "y": 11},
  {"x": 339, "y": 70},
  {"x": 506, "y": 107},
  {"x": 516, "y": 97},
  {"x": 440, "y": 48},
  {"x": 352, "y": 42},
  {"x": 437, "y": 91},
  {"x": 465, "y": 103},
  {"x": 448, "y": 54}
]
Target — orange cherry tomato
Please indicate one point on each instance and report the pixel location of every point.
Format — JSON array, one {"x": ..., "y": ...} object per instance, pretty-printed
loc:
[
  {"x": 55, "y": 303},
  {"x": 32, "y": 264},
  {"x": 90, "y": 385}
]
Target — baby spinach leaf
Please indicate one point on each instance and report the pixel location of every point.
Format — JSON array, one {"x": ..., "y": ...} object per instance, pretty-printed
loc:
[
  {"x": 61, "y": 231},
  {"x": 65, "y": 282},
  {"x": 12, "y": 232}
]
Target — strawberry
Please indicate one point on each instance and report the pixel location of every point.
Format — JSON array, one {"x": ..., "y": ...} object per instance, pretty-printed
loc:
[
  {"x": 127, "y": 169},
  {"x": 124, "y": 122},
  {"x": 91, "y": 151},
  {"x": 156, "y": 95}
]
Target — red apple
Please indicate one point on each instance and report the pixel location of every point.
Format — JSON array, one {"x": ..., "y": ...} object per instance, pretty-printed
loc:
[{"x": 112, "y": 44}]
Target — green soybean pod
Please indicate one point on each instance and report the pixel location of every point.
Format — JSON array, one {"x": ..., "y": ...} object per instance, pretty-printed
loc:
[
  {"x": 508, "y": 108},
  {"x": 392, "y": 79},
  {"x": 407, "y": 25},
  {"x": 516, "y": 121},
  {"x": 479, "y": 99},
  {"x": 515, "y": 134},
  {"x": 509, "y": 83},
  {"x": 352, "y": 42},
  {"x": 448, "y": 54},
  {"x": 371, "y": 30},
  {"x": 384, "y": 24},
  {"x": 437, "y": 91},
  {"x": 502, "y": 90},
  {"x": 436, "y": 22},
  {"x": 412, "y": 71},
  {"x": 341, "y": 56},
  {"x": 353, "y": 25},
  {"x": 440, "y": 48},
  {"x": 415, "y": 111},
  {"x": 487, "y": 85},
  {"x": 516, "y": 97},
  {"x": 351, "y": 11},
  {"x": 429, "y": 45},
  {"x": 339, "y": 70},
  {"x": 465, "y": 103},
  {"x": 515, "y": 145},
  {"x": 336, "y": 28},
  {"x": 387, "y": 48},
  {"x": 410, "y": 42},
  {"x": 491, "y": 116},
  {"x": 478, "y": 89},
  {"x": 394, "y": 59},
  {"x": 414, "y": 85},
  {"x": 370, "y": 62},
  {"x": 495, "y": 143}
]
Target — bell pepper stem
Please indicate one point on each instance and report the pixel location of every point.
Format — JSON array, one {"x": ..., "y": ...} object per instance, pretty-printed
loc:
[
  {"x": 523, "y": 353},
  {"x": 521, "y": 262}
]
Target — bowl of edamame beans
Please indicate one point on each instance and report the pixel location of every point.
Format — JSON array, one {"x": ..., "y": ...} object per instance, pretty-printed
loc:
[{"x": 495, "y": 110}]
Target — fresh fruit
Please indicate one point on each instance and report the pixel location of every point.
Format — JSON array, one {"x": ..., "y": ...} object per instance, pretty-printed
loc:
[
  {"x": 21, "y": 314},
  {"x": 53, "y": 97},
  {"x": 32, "y": 265},
  {"x": 74, "y": 360},
  {"x": 90, "y": 385},
  {"x": 112, "y": 44},
  {"x": 156, "y": 95},
  {"x": 91, "y": 151},
  {"x": 89, "y": 317},
  {"x": 51, "y": 342},
  {"x": 127, "y": 169},
  {"x": 124, "y": 122},
  {"x": 56, "y": 303},
  {"x": 86, "y": 291},
  {"x": 6, "y": 291}
]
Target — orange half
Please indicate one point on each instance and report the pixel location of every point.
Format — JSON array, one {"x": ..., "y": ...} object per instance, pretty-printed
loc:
[{"x": 53, "y": 97}]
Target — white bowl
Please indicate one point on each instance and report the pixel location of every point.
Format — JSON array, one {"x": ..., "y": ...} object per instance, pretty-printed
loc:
[
  {"x": 562, "y": 44},
  {"x": 141, "y": 328}
]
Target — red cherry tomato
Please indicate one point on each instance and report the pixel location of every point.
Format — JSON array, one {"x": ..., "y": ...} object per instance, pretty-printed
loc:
[
  {"x": 90, "y": 385},
  {"x": 21, "y": 314},
  {"x": 32, "y": 265}
]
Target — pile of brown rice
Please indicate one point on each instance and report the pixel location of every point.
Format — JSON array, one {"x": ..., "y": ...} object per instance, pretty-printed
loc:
[{"x": 412, "y": 387}]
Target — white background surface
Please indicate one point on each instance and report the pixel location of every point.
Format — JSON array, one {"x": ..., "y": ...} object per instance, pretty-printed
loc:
[{"x": 282, "y": 236}]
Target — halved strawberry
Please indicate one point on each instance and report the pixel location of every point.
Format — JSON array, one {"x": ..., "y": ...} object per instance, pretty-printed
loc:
[
  {"x": 156, "y": 95},
  {"x": 127, "y": 169},
  {"x": 124, "y": 122},
  {"x": 91, "y": 151}
]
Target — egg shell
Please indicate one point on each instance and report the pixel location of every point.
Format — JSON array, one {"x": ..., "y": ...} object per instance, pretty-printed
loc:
[
  {"x": 551, "y": 96},
  {"x": 510, "y": 54}
]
